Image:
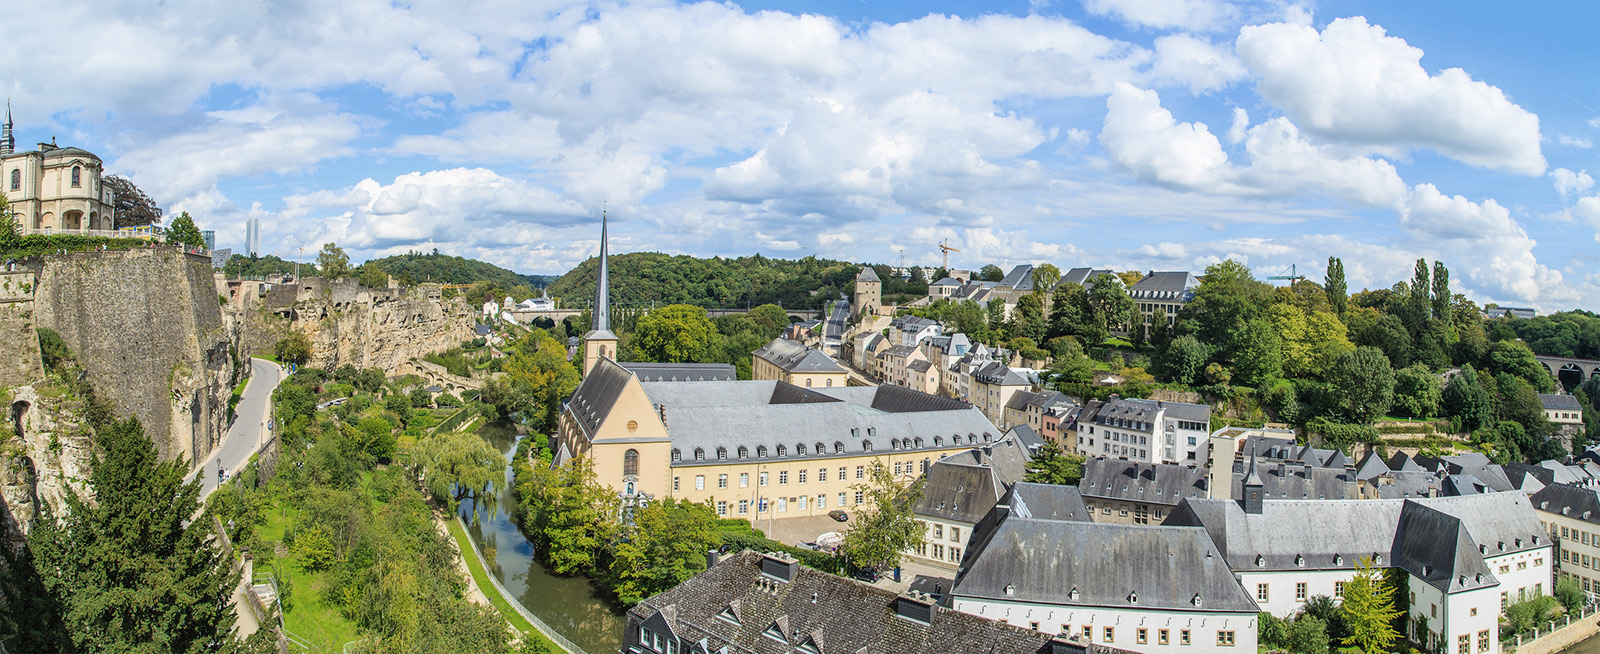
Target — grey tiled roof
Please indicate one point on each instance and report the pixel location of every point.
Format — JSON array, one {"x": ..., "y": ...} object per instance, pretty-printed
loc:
[
  {"x": 1083, "y": 276},
  {"x": 1559, "y": 402},
  {"x": 948, "y": 281},
  {"x": 666, "y": 372},
  {"x": 1140, "y": 414},
  {"x": 1293, "y": 481},
  {"x": 965, "y": 486},
  {"x": 838, "y": 614},
  {"x": 1102, "y": 565},
  {"x": 1020, "y": 278},
  {"x": 1047, "y": 502},
  {"x": 920, "y": 365},
  {"x": 597, "y": 393},
  {"x": 998, "y": 373},
  {"x": 1175, "y": 286},
  {"x": 867, "y": 274},
  {"x": 1158, "y": 483},
  {"x": 1371, "y": 467},
  {"x": 794, "y": 357},
  {"x": 1577, "y": 502}
]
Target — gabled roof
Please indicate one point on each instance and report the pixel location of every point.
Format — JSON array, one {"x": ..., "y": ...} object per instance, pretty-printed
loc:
[
  {"x": 1000, "y": 374},
  {"x": 794, "y": 357},
  {"x": 1159, "y": 483},
  {"x": 1280, "y": 480},
  {"x": 1020, "y": 278},
  {"x": 1085, "y": 276},
  {"x": 1102, "y": 565},
  {"x": 1576, "y": 502},
  {"x": 948, "y": 281},
  {"x": 964, "y": 487},
  {"x": 597, "y": 393},
  {"x": 1176, "y": 286},
  {"x": 867, "y": 274},
  {"x": 1559, "y": 402},
  {"x": 1371, "y": 467},
  {"x": 837, "y": 614},
  {"x": 659, "y": 372}
]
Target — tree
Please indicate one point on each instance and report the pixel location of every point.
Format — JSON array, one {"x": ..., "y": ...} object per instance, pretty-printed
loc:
[
  {"x": 1185, "y": 360},
  {"x": 1468, "y": 401},
  {"x": 665, "y": 546},
  {"x": 1228, "y": 297},
  {"x": 1369, "y": 610},
  {"x": 1307, "y": 635},
  {"x": 1110, "y": 308},
  {"x": 372, "y": 275},
  {"x": 1417, "y": 392},
  {"x": 677, "y": 333},
  {"x": 295, "y": 348},
  {"x": 130, "y": 205},
  {"x": 333, "y": 262},
  {"x": 183, "y": 232},
  {"x": 1067, "y": 307},
  {"x": 1513, "y": 357},
  {"x": 771, "y": 318},
  {"x": 997, "y": 318},
  {"x": 574, "y": 515},
  {"x": 1441, "y": 292},
  {"x": 1258, "y": 353},
  {"x": 1569, "y": 594},
  {"x": 1310, "y": 343},
  {"x": 10, "y": 230},
  {"x": 1361, "y": 385},
  {"x": 1045, "y": 276},
  {"x": 1419, "y": 306},
  {"x": 886, "y": 527},
  {"x": 990, "y": 273},
  {"x": 1029, "y": 320},
  {"x": 460, "y": 465},
  {"x": 130, "y": 569},
  {"x": 1052, "y": 466},
  {"x": 1335, "y": 286}
]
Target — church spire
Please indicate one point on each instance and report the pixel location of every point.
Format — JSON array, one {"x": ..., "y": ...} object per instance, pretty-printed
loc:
[
  {"x": 600, "y": 317},
  {"x": 8, "y": 143}
]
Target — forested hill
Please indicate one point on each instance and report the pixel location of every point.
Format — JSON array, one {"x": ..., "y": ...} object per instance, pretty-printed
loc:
[
  {"x": 640, "y": 278},
  {"x": 446, "y": 269}
]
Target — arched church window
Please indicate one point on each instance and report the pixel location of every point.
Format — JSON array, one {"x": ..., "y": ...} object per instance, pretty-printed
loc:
[
  {"x": 77, "y": 176},
  {"x": 630, "y": 463},
  {"x": 16, "y": 179}
]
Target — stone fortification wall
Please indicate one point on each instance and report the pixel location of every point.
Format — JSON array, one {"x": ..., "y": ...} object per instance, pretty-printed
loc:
[
  {"x": 147, "y": 326},
  {"x": 353, "y": 324},
  {"x": 19, "y": 344}
]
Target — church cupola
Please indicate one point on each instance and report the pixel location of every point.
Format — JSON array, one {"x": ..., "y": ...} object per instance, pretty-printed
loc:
[{"x": 8, "y": 141}]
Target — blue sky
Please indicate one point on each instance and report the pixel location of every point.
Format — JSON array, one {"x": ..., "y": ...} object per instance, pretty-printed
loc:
[{"x": 1135, "y": 134}]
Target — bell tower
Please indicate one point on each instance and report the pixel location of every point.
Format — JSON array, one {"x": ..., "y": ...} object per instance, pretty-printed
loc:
[
  {"x": 8, "y": 142},
  {"x": 600, "y": 342}
]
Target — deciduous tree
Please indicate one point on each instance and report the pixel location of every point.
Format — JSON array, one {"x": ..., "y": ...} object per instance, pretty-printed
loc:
[
  {"x": 677, "y": 333},
  {"x": 1362, "y": 385},
  {"x": 460, "y": 465},
  {"x": 1185, "y": 359},
  {"x": 333, "y": 262},
  {"x": 130, "y": 205},
  {"x": 1369, "y": 610},
  {"x": 183, "y": 232},
  {"x": 665, "y": 546},
  {"x": 1045, "y": 276},
  {"x": 1334, "y": 284},
  {"x": 886, "y": 526},
  {"x": 294, "y": 348}
]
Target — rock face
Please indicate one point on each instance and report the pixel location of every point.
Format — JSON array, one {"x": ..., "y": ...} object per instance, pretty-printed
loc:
[
  {"x": 44, "y": 452},
  {"x": 19, "y": 346},
  {"x": 352, "y": 324},
  {"x": 147, "y": 326}
]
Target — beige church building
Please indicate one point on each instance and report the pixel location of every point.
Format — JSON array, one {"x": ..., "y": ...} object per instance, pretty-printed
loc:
[
  {"x": 54, "y": 190},
  {"x": 758, "y": 449}
]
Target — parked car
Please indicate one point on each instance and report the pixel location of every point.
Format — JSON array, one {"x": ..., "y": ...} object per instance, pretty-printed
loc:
[
  {"x": 808, "y": 546},
  {"x": 839, "y": 515},
  {"x": 869, "y": 576}
]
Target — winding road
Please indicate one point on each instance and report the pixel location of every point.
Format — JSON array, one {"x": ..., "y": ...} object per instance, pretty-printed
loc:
[{"x": 249, "y": 429}]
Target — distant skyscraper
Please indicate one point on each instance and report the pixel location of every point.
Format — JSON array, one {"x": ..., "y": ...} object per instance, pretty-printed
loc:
[
  {"x": 252, "y": 236},
  {"x": 210, "y": 237}
]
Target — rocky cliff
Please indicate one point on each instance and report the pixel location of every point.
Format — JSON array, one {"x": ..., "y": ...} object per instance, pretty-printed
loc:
[
  {"x": 147, "y": 326},
  {"x": 352, "y": 324}
]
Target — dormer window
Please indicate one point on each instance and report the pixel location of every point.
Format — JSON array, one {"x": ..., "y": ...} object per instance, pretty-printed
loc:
[
  {"x": 1133, "y": 597},
  {"x": 676, "y": 456},
  {"x": 1338, "y": 560},
  {"x": 699, "y": 454},
  {"x": 761, "y": 451},
  {"x": 775, "y": 632},
  {"x": 722, "y": 454},
  {"x": 1300, "y": 560},
  {"x": 744, "y": 453},
  {"x": 1010, "y": 590},
  {"x": 800, "y": 449},
  {"x": 1196, "y": 601},
  {"x": 1261, "y": 561},
  {"x": 1073, "y": 595},
  {"x": 783, "y": 450},
  {"x": 866, "y": 446},
  {"x": 838, "y": 447}
]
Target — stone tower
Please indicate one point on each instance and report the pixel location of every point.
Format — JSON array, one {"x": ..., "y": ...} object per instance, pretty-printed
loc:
[
  {"x": 869, "y": 293},
  {"x": 600, "y": 342}
]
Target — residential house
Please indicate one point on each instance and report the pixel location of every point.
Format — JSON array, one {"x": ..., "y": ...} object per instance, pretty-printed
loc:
[
  {"x": 992, "y": 387},
  {"x": 1161, "y": 295},
  {"x": 1085, "y": 276},
  {"x": 959, "y": 491},
  {"x": 1152, "y": 589},
  {"x": 1154, "y": 431},
  {"x": 787, "y": 361},
  {"x": 1570, "y": 513},
  {"x": 1138, "y": 493},
  {"x": 1466, "y": 558},
  {"x": 1028, "y": 408},
  {"x": 911, "y": 330}
]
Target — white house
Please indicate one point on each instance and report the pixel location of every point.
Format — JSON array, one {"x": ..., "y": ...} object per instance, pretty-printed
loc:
[{"x": 1152, "y": 431}]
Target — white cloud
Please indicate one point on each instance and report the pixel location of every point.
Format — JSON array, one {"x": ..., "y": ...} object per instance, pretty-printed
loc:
[
  {"x": 1241, "y": 123},
  {"x": 1493, "y": 249},
  {"x": 1198, "y": 15},
  {"x": 1568, "y": 182},
  {"x": 1187, "y": 60},
  {"x": 1575, "y": 141},
  {"x": 1354, "y": 83}
]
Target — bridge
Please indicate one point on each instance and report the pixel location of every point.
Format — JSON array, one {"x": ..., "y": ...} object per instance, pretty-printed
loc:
[
  {"x": 1585, "y": 368},
  {"x": 558, "y": 315}
]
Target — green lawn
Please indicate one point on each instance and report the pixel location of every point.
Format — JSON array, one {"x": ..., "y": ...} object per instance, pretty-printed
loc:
[
  {"x": 308, "y": 616},
  {"x": 481, "y": 577}
]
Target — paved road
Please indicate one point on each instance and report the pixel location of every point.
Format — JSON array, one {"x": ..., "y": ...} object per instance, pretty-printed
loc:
[
  {"x": 249, "y": 428},
  {"x": 833, "y": 329}
]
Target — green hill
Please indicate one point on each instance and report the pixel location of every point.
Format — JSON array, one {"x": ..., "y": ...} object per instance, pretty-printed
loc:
[
  {"x": 445, "y": 269},
  {"x": 642, "y": 278}
]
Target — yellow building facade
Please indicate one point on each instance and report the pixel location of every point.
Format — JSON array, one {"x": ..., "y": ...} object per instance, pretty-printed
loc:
[{"x": 787, "y": 361}]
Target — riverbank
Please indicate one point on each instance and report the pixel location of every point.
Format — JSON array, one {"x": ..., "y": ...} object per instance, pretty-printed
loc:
[{"x": 491, "y": 592}]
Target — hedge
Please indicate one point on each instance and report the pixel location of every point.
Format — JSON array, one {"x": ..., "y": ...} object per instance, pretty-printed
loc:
[
  {"x": 1418, "y": 428},
  {"x": 42, "y": 244}
]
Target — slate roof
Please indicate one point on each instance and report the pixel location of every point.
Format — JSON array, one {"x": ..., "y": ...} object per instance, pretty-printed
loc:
[
  {"x": 1140, "y": 414},
  {"x": 597, "y": 393},
  {"x": 1410, "y": 484},
  {"x": 1020, "y": 278},
  {"x": 1175, "y": 286},
  {"x": 963, "y": 487},
  {"x": 948, "y": 281},
  {"x": 1102, "y": 565},
  {"x": 1047, "y": 502},
  {"x": 1083, "y": 276},
  {"x": 838, "y": 614},
  {"x": 678, "y": 372},
  {"x": 1281, "y": 480},
  {"x": 1577, "y": 502},
  {"x": 1157, "y": 483},
  {"x": 1371, "y": 467},
  {"x": 1435, "y": 539},
  {"x": 1559, "y": 402},
  {"x": 1026, "y": 436},
  {"x": 920, "y": 365},
  {"x": 794, "y": 357},
  {"x": 730, "y": 414},
  {"x": 998, "y": 373},
  {"x": 901, "y": 351},
  {"x": 1403, "y": 462},
  {"x": 867, "y": 274}
]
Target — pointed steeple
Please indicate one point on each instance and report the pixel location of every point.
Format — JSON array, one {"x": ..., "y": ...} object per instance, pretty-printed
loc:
[
  {"x": 1251, "y": 478},
  {"x": 8, "y": 143},
  {"x": 600, "y": 318},
  {"x": 1254, "y": 494}
]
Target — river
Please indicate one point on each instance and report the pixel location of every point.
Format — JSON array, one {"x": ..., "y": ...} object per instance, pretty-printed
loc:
[{"x": 570, "y": 605}]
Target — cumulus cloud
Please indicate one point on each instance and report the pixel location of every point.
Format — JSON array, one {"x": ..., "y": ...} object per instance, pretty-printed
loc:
[
  {"x": 1489, "y": 244},
  {"x": 1568, "y": 182},
  {"x": 1354, "y": 83},
  {"x": 1187, "y": 60},
  {"x": 1575, "y": 141},
  {"x": 1197, "y": 15}
]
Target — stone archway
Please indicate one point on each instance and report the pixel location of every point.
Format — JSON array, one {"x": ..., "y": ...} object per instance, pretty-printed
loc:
[
  {"x": 72, "y": 219},
  {"x": 1570, "y": 376}
]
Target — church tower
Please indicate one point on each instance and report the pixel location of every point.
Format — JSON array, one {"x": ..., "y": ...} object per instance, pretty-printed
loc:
[
  {"x": 600, "y": 342},
  {"x": 8, "y": 142}
]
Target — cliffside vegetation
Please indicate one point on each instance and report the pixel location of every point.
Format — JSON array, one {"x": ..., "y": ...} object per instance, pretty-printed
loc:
[
  {"x": 439, "y": 268},
  {"x": 652, "y": 277}
]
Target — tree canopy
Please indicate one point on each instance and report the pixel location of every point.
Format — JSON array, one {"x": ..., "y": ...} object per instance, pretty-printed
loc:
[
  {"x": 677, "y": 333},
  {"x": 183, "y": 231},
  {"x": 130, "y": 205}
]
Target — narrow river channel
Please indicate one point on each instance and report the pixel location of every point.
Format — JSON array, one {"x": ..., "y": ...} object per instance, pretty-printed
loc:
[{"x": 568, "y": 604}]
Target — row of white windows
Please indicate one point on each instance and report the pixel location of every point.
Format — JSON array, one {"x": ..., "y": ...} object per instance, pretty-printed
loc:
[
  {"x": 783, "y": 477},
  {"x": 838, "y": 448},
  {"x": 1225, "y": 637},
  {"x": 781, "y": 504}
]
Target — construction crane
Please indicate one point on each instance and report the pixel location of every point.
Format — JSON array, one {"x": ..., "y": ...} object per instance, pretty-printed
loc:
[
  {"x": 1293, "y": 276},
  {"x": 946, "y": 249}
]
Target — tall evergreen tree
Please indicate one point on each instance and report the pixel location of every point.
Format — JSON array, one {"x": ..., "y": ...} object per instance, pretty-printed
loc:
[
  {"x": 1338, "y": 292},
  {"x": 1420, "y": 305},
  {"x": 1441, "y": 292},
  {"x": 130, "y": 571}
]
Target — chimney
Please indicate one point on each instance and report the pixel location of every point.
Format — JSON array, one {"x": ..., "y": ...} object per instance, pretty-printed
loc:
[
  {"x": 779, "y": 566},
  {"x": 712, "y": 558}
]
